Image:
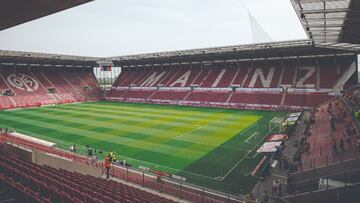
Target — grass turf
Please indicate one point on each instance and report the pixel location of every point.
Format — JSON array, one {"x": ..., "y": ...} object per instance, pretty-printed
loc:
[{"x": 205, "y": 145}]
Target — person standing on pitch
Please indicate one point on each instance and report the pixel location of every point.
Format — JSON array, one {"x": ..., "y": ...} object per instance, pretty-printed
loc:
[{"x": 107, "y": 166}]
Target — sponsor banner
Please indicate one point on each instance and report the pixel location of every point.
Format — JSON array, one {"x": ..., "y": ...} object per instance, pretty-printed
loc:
[
  {"x": 175, "y": 88},
  {"x": 310, "y": 90},
  {"x": 269, "y": 147},
  {"x": 256, "y": 169},
  {"x": 208, "y": 104},
  {"x": 213, "y": 89},
  {"x": 274, "y": 90},
  {"x": 143, "y": 88},
  {"x": 277, "y": 137},
  {"x": 120, "y": 88}
]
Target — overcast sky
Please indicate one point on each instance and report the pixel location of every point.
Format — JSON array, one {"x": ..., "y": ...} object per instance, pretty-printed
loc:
[{"x": 123, "y": 27}]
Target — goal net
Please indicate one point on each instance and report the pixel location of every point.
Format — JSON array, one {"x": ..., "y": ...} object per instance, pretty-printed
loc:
[{"x": 276, "y": 124}]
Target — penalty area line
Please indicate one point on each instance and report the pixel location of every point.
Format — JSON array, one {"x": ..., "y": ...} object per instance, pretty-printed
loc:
[
  {"x": 243, "y": 158},
  {"x": 249, "y": 138}
]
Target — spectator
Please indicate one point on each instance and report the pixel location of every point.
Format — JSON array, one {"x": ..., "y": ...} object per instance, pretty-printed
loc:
[
  {"x": 348, "y": 141},
  {"x": 342, "y": 145},
  {"x": 265, "y": 197},
  {"x": 274, "y": 188},
  {"x": 112, "y": 156},
  {"x": 279, "y": 188},
  {"x": 107, "y": 166},
  {"x": 73, "y": 148},
  {"x": 334, "y": 147}
]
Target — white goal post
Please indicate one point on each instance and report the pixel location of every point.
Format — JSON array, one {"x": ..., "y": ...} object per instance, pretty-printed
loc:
[{"x": 276, "y": 124}]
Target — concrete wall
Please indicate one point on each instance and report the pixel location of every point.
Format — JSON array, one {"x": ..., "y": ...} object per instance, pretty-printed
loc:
[
  {"x": 22, "y": 153},
  {"x": 57, "y": 162},
  {"x": 42, "y": 158}
]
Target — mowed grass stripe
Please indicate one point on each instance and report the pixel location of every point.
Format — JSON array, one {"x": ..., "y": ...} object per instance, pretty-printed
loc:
[
  {"x": 148, "y": 108},
  {"x": 183, "y": 117},
  {"x": 203, "y": 142},
  {"x": 225, "y": 123},
  {"x": 145, "y": 152},
  {"x": 168, "y": 151},
  {"x": 55, "y": 119},
  {"x": 140, "y": 118},
  {"x": 192, "y": 134},
  {"x": 99, "y": 136}
]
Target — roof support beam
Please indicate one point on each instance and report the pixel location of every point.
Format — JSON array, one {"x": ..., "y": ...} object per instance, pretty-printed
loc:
[{"x": 325, "y": 11}]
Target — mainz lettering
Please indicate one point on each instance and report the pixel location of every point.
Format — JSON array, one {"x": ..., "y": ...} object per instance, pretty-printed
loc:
[
  {"x": 182, "y": 79},
  {"x": 310, "y": 71},
  {"x": 152, "y": 79},
  {"x": 260, "y": 74},
  {"x": 216, "y": 82}
]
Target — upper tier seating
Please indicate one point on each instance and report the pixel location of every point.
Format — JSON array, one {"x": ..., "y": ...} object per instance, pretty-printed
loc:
[
  {"x": 40, "y": 86},
  {"x": 308, "y": 73},
  {"x": 290, "y": 84},
  {"x": 28, "y": 181}
]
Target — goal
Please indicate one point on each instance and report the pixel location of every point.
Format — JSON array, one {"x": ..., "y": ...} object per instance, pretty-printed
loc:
[{"x": 276, "y": 124}]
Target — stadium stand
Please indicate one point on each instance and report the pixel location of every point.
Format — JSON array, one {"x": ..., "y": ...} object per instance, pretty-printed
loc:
[
  {"x": 311, "y": 74},
  {"x": 277, "y": 84},
  {"x": 331, "y": 136},
  {"x": 25, "y": 87},
  {"x": 25, "y": 181}
]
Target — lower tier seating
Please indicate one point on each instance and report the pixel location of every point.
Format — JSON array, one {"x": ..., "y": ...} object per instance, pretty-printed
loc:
[
  {"x": 208, "y": 96},
  {"x": 169, "y": 95},
  {"x": 274, "y": 99},
  {"x": 312, "y": 100},
  {"x": 256, "y": 98},
  {"x": 28, "y": 182}
]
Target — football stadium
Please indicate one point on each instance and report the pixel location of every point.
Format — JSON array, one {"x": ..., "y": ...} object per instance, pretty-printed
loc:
[{"x": 262, "y": 122}]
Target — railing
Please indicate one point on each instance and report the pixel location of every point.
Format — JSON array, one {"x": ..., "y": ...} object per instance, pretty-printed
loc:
[
  {"x": 324, "y": 184},
  {"x": 346, "y": 172}
]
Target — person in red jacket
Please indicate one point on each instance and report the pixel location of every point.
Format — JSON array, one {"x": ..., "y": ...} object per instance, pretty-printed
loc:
[{"x": 107, "y": 166}]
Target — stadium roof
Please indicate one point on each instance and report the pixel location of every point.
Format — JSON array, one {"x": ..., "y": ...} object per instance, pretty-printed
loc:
[
  {"x": 333, "y": 27},
  {"x": 15, "y": 12},
  {"x": 330, "y": 20},
  {"x": 19, "y": 57},
  {"x": 285, "y": 49}
]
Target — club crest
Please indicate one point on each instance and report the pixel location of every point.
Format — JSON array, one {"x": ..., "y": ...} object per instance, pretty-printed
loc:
[{"x": 23, "y": 82}]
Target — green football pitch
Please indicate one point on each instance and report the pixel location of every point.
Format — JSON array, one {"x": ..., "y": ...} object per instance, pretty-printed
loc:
[{"x": 211, "y": 147}]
